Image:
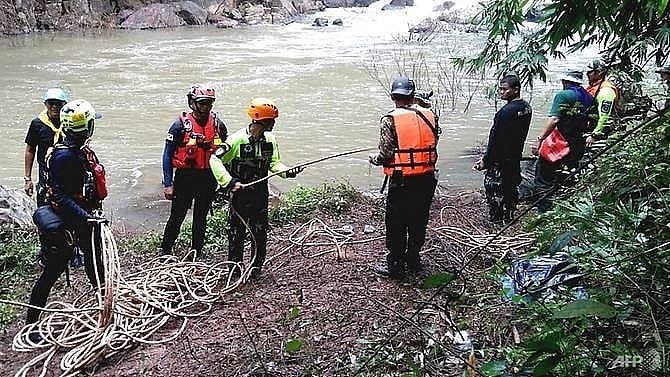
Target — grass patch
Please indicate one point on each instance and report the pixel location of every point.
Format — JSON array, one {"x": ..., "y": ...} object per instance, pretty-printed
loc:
[
  {"x": 303, "y": 203},
  {"x": 18, "y": 250}
]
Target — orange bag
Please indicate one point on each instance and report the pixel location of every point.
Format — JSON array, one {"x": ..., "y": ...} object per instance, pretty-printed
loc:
[{"x": 554, "y": 147}]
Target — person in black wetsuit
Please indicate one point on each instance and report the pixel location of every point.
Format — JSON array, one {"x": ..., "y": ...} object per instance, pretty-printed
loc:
[
  {"x": 503, "y": 152},
  {"x": 75, "y": 189}
]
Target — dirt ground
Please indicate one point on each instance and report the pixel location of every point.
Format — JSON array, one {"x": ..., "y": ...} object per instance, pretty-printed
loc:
[{"x": 347, "y": 319}]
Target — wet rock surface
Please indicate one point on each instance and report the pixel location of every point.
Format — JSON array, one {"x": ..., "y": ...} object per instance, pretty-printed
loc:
[{"x": 16, "y": 207}]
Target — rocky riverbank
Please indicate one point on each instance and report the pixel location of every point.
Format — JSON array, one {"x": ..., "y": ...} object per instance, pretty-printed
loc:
[{"x": 28, "y": 16}]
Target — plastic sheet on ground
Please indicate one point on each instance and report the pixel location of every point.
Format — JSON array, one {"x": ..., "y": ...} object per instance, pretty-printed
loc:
[{"x": 532, "y": 277}]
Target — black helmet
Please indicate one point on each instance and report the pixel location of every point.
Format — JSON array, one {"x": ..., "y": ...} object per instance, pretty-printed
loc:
[{"x": 402, "y": 86}]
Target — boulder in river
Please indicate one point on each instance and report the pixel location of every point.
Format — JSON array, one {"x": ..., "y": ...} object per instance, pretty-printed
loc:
[{"x": 154, "y": 16}]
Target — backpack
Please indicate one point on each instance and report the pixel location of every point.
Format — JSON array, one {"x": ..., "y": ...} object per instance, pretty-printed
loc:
[{"x": 631, "y": 101}]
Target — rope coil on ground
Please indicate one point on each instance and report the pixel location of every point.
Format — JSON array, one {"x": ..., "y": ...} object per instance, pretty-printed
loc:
[
  {"x": 153, "y": 304},
  {"x": 138, "y": 308}
]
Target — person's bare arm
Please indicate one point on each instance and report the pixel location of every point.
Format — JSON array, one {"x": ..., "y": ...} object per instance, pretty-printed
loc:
[{"x": 28, "y": 160}]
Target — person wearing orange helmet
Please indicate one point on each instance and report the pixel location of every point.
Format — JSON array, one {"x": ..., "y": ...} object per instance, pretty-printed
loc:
[
  {"x": 253, "y": 153},
  {"x": 187, "y": 178}
]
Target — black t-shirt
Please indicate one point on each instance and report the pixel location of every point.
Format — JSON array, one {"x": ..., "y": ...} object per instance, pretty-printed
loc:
[
  {"x": 508, "y": 133},
  {"x": 41, "y": 137}
]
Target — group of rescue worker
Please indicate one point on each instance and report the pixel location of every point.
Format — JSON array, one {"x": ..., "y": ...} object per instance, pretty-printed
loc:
[
  {"x": 200, "y": 155},
  {"x": 579, "y": 116},
  {"x": 70, "y": 190}
]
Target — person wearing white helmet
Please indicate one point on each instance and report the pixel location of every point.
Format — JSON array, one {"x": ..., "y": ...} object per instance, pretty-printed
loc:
[
  {"x": 76, "y": 186},
  {"x": 560, "y": 144},
  {"x": 43, "y": 133}
]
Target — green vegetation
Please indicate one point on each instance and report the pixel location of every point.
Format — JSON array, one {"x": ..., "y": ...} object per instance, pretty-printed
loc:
[
  {"x": 18, "y": 250},
  {"x": 616, "y": 224},
  {"x": 631, "y": 33},
  {"x": 302, "y": 203}
]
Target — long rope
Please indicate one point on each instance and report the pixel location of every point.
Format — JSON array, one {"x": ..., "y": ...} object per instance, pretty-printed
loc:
[
  {"x": 144, "y": 307},
  {"x": 312, "y": 162},
  {"x": 483, "y": 246}
]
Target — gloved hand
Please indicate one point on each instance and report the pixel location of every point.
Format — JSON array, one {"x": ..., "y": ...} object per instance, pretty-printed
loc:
[
  {"x": 372, "y": 158},
  {"x": 235, "y": 185},
  {"x": 294, "y": 171}
]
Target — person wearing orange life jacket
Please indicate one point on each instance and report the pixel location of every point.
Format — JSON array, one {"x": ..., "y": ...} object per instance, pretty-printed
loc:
[
  {"x": 191, "y": 140},
  {"x": 76, "y": 186},
  {"x": 605, "y": 95},
  {"x": 407, "y": 151},
  {"x": 44, "y": 132}
]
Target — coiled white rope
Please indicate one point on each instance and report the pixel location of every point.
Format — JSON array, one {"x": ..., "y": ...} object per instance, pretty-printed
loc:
[{"x": 126, "y": 311}]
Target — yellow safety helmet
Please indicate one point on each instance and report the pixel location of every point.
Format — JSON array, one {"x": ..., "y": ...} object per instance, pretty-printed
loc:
[
  {"x": 78, "y": 116},
  {"x": 262, "y": 108}
]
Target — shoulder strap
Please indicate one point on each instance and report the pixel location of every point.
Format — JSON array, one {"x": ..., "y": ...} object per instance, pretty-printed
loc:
[{"x": 430, "y": 125}]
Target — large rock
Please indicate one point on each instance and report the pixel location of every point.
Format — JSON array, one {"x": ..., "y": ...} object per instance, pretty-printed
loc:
[
  {"x": 154, "y": 16},
  {"x": 426, "y": 26},
  {"x": 348, "y": 3},
  {"x": 444, "y": 6},
  {"x": 320, "y": 22},
  {"x": 16, "y": 207},
  {"x": 227, "y": 24},
  {"x": 395, "y": 4},
  {"x": 191, "y": 13}
]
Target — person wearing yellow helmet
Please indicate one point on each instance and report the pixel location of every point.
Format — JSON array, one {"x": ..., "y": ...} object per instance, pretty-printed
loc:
[
  {"x": 44, "y": 131},
  {"x": 187, "y": 179},
  {"x": 76, "y": 186},
  {"x": 253, "y": 153}
]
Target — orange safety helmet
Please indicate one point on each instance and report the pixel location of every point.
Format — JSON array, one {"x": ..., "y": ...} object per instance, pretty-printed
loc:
[
  {"x": 198, "y": 91},
  {"x": 262, "y": 108}
]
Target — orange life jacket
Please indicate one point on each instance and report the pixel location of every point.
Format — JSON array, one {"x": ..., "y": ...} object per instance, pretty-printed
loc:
[
  {"x": 593, "y": 90},
  {"x": 198, "y": 144},
  {"x": 417, "y": 142}
]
